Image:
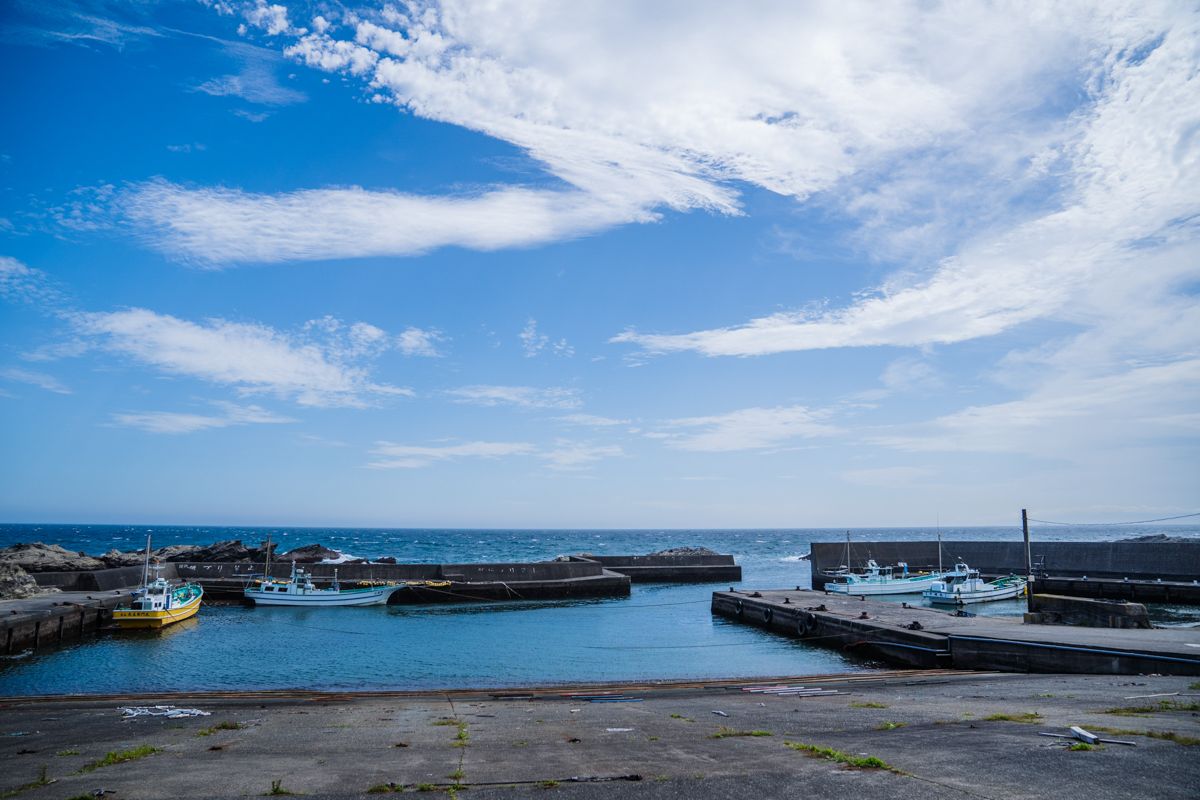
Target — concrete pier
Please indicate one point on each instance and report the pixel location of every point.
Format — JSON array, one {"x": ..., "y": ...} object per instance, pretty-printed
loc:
[
  {"x": 911, "y": 635},
  {"x": 51, "y": 619}
]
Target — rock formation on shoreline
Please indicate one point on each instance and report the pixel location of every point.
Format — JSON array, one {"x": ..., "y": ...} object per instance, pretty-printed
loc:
[
  {"x": 16, "y": 583},
  {"x": 39, "y": 557}
]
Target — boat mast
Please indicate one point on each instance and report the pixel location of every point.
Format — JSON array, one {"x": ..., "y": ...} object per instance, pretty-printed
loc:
[
  {"x": 847, "y": 550},
  {"x": 267, "y": 560},
  {"x": 939, "y": 531},
  {"x": 146, "y": 565}
]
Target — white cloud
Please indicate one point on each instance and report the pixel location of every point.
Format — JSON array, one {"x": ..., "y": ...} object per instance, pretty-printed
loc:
[
  {"x": 564, "y": 455},
  {"x": 390, "y": 455},
  {"x": 255, "y": 82},
  {"x": 418, "y": 342},
  {"x": 1072, "y": 417},
  {"x": 568, "y": 455},
  {"x": 38, "y": 379},
  {"x": 592, "y": 420},
  {"x": 23, "y": 284},
  {"x": 214, "y": 226},
  {"x": 533, "y": 343},
  {"x": 527, "y": 397},
  {"x": 795, "y": 99},
  {"x": 172, "y": 422},
  {"x": 747, "y": 429},
  {"x": 249, "y": 357},
  {"x": 271, "y": 18}
]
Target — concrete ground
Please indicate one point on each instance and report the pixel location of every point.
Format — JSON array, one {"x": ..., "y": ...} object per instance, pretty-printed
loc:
[{"x": 931, "y": 728}]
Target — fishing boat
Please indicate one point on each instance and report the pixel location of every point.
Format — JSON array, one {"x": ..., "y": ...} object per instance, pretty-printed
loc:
[
  {"x": 299, "y": 590},
  {"x": 972, "y": 588},
  {"x": 158, "y": 603},
  {"x": 876, "y": 580}
]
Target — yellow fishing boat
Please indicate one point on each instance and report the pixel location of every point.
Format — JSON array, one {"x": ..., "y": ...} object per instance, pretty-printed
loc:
[{"x": 158, "y": 604}]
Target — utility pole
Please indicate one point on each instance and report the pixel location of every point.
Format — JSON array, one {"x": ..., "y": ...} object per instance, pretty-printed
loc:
[{"x": 1028, "y": 562}]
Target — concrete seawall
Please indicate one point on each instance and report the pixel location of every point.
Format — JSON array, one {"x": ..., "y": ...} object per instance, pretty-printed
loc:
[
  {"x": 671, "y": 569},
  {"x": 1169, "y": 561}
]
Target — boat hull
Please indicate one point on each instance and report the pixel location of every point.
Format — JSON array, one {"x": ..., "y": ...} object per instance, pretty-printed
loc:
[
  {"x": 129, "y": 619},
  {"x": 354, "y": 597},
  {"x": 977, "y": 596},
  {"x": 889, "y": 587}
]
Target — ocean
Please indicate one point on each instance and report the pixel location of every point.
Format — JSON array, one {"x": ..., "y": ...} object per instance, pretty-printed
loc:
[{"x": 660, "y": 632}]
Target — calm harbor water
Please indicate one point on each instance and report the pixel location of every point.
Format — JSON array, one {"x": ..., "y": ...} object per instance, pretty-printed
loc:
[{"x": 662, "y": 631}]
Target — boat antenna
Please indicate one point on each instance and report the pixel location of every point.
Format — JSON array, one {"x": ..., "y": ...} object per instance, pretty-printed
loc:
[{"x": 267, "y": 560}]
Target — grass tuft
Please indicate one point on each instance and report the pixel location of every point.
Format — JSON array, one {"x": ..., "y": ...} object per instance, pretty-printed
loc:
[
  {"x": 62, "y": 753},
  {"x": 548, "y": 784},
  {"x": 1077, "y": 746},
  {"x": 889, "y": 726},
  {"x": 120, "y": 757},
  {"x": 829, "y": 754},
  {"x": 1160, "y": 706},
  {"x": 277, "y": 789},
  {"x": 1169, "y": 736},
  {"x": 725, "y": 732},
  {"x": 385, "y": 788},
  {"x": 1028, "y": 716},
  {"x": 220, "y": 726},
  {"x": 869, "y": 704}
]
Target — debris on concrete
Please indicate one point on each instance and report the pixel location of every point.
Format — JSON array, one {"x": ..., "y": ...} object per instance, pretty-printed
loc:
[{"x": 170, "y": 712}]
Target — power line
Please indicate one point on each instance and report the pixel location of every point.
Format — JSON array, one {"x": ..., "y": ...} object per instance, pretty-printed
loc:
[{"x": 1113, "y": 524}]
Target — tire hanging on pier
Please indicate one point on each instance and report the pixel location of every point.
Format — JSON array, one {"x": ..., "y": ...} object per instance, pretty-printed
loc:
[{"x": 806, "y": 623}]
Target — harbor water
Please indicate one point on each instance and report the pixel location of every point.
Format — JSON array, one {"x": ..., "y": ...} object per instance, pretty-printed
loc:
[{"x": 660, "y": 632}]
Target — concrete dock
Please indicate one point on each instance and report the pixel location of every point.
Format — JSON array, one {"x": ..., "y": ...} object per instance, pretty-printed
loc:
[
  {"x": 918, "y": 636},
  {"x": 939, "y": 736},
  {"x": 51, "y": 619}
]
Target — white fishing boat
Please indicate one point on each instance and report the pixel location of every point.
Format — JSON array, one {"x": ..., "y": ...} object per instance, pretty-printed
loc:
[
  {"x": 299, "y": 590},
  {"x": 876, "y": 580},
  {"x": 972, "y": 588}
]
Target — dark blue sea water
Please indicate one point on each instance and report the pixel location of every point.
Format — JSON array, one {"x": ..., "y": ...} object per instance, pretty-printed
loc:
[{"x": 662, "y": 631}]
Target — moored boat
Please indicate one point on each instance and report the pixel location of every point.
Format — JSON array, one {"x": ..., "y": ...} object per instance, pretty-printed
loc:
[
  {"x": 877, "y": 580},
  {"x": 972, "y": 588},
  {"x": 299, "y": 590},
  {"x": 158, "y": 603}
]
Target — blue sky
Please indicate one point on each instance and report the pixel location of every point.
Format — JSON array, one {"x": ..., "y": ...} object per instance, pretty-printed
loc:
[{"x": 571, "y": 265}]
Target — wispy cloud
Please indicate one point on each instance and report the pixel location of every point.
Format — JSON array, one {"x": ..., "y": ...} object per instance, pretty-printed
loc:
[
  {"x": 568, "y": 456},
  {"x": 563, "y": 455},
  {"x": 38, "y": 379},
  {"x": 592, "y": 420},
  {"x": 218, "y": 226},
  {"x": 794, "y": 99},
  {"x": 533, "y": 343},
  {"x": 526, "y": 397},
  {"x": 250, "y": 357},
  {"x": 418, "y": 342},
  {"x": 172, "y": 422},
  {"x": 389, "y": 455},
  {"x": 256, "y": 82},
  {"x": 746, "y": 429}
]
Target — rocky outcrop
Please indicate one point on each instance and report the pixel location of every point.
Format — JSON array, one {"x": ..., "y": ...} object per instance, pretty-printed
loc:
[
  {"x": 39, "y": 557},
  {"x": 15, "y": 583},
  {"x": 1159, "y": 537},
  {"x": 686, "y": 551},
  {"x": 310, "y": 554}
]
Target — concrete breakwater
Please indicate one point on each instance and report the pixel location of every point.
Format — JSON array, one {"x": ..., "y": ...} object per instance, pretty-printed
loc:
[
  {"x": 1175, "y": 562},
  {"x": 913, "y": 636}
]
